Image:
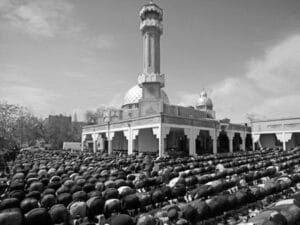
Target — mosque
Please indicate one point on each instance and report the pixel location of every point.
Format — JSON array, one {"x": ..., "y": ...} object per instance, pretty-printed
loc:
[{"x": 148, "y": 122}]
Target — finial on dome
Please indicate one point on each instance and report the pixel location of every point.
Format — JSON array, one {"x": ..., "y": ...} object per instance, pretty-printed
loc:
[{"x": 203, "y": 93}]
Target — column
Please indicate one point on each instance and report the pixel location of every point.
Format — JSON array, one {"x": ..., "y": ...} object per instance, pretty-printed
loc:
[
  {"x": 130, "y": 135},
  {"x": 101, "y": 141},
  {"x": 83, "y": 138},
  {"x": 161, "y": 133},
  {"x": 95, "y": 137},
  {"x": 110, "y": 136},
  {"x": 214, "y": 136},
  {"x": 190, "y": 133},
  {"x": 243, "y": 145},
  {"x": 230, "y": 137},
  {"x": 284, "y": 138},
  {"x": 157, "y": 132},
  {"x": 134, "y": 134},
  {"x": 127, "y": 134},
  {"x": 255, "y": 138}
]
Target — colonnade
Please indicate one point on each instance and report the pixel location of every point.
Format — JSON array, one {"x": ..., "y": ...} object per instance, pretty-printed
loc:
[
  {"x": 283, "y": 137},
  {"x": 161, "y": 132}
]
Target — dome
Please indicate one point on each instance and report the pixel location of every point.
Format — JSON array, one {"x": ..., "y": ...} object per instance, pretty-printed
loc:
[
  {"x": 135, "y": 93},
  {"x": 204, "y": 102}
]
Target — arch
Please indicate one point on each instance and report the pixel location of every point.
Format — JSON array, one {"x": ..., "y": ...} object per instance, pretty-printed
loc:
[
  {"x": 204, "y": 143},
  {"x": 119, "y": 142},
  {"x": 236, "y": 142},
  {"x": 223, "y": 142},
  {"x": 269, "y": 141},
  {"x": 146, "y": 141},
  {"x": 177, "y": 142}
]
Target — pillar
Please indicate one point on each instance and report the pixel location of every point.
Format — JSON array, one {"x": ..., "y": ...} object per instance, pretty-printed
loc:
[
  {"x": 95, "y": 137},
  {"x": 190, "y": 133},
  {"x": 83, "y": 138},
  {"x": 243, "y": 145},
  {"x": 230, "y": 137},
  {"x": 130, "y": 135},
  {"x": 110, "y": 136},
  {"x": 161, "y": 133},
  {"x": 157, "y": 132},
  {"x": 214, "y": 136},
  {"x": 284, "y": 138},
  {"x": 127, "y": 134},
  {"x": 255, "y": 138}
]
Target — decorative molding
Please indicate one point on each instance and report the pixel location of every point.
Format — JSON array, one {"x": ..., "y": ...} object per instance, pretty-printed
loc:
[
  {"x": 151, "y": 23},
  {"x": 255, "y": 137},
  {"x": 156, "y": 132},
  {"x": 135, "y": 133},
  {"x": 95, "y": 136}
]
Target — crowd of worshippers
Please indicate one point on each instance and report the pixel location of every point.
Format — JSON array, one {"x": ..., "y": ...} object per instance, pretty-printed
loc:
[{"x": 60, "y": 187}]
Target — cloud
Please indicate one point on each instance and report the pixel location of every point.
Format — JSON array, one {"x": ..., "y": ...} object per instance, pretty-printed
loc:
[
  {"x": 46, "y": 18},
  {"x": 103, "y": 41},
  {"x": 116, "y": 100},
  {"x": 278, "y": 71},
  {"x": 16, "y": 88},
  {"x": 269, "y": 88},
  {"x": 75, "y": 75},
  {"x": 187, "y": 99}
]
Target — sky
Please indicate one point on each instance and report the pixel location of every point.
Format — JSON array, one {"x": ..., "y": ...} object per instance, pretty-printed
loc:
[{"x": 69, "y": 56}]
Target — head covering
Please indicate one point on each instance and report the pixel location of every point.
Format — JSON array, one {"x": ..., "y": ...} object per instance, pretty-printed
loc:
[
  {"x": 28, "y": 204},
  {"x": 146, "y": 220},
  {"x": 48, "y": 201},
  {"x": 78, "y": 209},
  {"x": 59, "y": 214},
  {"x": 38, "y": 216},
  {"x": 64, "y": 198},
  {"x": 121, "y": 219},
  {"x": 9, "y": 203},
  {"x": 95, "y": 206},
  {"x": 11, "y": 216},
  {"x": 79, "y": 196},
  {"x": 173, "y": 212}
]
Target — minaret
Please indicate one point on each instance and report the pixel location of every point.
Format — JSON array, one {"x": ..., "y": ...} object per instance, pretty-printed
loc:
[{"x": 151, "y": 80}]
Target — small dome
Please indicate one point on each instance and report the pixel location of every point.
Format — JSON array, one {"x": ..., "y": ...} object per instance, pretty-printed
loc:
[
  {"x": 135, "y": 93},
  {"x": 204, "y": 102}
]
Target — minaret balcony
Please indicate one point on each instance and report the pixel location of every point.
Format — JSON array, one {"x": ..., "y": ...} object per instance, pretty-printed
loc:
[
  {"x": 151, "y": 78},
  {"x": 151, "y": 23},
  {"x": 149, "y": 8}
]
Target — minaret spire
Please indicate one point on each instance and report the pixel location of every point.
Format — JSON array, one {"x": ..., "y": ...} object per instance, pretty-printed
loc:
[{"x": 151, "y": 80}]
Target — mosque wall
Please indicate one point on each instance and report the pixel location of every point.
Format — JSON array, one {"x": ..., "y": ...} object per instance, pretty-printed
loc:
[
  {"x": 276, "y": 125},
  {"x": 189, "y": 122},
  {"x": 186, "y": 112}
]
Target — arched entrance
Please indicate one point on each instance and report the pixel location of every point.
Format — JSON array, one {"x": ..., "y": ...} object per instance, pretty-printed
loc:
[
  {"x": 236, "y": 142},
  {"x": 119, "y": 142},
  {"x": 249, "y": 142},
  {"x": 269, "y": 141},
  {"x": 146, "y": 141},
  {"x": 223, "y": 142},
  {"x": 177, "y": 143},
  {"x": 204, "y": 143}
]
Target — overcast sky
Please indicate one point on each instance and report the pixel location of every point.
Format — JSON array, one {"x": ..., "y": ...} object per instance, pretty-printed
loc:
[{"x": 66, "y": 56}]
